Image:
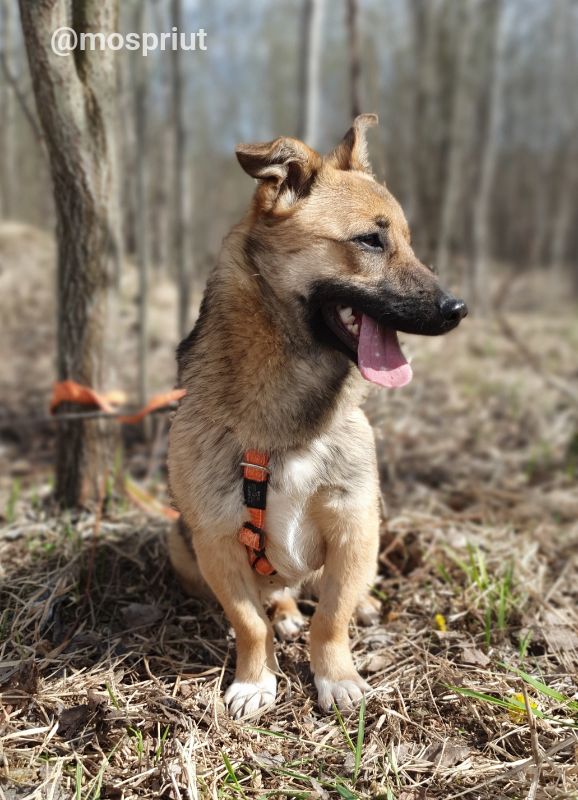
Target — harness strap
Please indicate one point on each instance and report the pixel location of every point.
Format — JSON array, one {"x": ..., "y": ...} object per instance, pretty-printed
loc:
[{"x": 252, "y": 533}]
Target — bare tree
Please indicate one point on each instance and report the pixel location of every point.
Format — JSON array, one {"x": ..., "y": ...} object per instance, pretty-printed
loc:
[
  {"x": 183, "y": 199},
  {"x": 7, "y": 110},
  {"x": 458, "y": 139},
  {"x": 141, "y": 82},
  {"x": 426, "y": 123},
  {"x": 79, "y": 128},
  {"x": 161, "y": 141},
  {"x": 481, "y": 212},
  {"x": 354, "y": 57},
  {"x": 310, "y": 71},
  {"x": 566, "y": 111}
]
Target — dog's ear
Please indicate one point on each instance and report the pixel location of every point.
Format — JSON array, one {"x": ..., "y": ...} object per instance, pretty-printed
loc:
[
  {"x": 351, "y": 152},
  {"x": 285, "y": 169}
]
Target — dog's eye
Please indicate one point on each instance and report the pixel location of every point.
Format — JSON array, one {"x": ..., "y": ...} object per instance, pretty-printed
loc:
[{"x": 370, "y": 241}]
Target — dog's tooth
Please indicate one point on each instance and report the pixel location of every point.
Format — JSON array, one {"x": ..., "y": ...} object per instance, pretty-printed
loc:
[
  {"x": 345, "y": 314},
  {"x": 354, "y": 328}
]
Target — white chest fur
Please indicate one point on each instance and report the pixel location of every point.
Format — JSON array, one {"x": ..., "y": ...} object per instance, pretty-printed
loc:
[{"x": 295, "y": 545}]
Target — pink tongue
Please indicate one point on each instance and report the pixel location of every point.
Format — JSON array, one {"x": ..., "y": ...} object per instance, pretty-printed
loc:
[{"x": 379, "y": 355}]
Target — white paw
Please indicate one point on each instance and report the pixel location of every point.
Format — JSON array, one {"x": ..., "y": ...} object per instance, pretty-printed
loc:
[
  {"x": 246, "y": 698},
  {"x": 288, "y": 626},
  {"x": 346, "y": 694}
]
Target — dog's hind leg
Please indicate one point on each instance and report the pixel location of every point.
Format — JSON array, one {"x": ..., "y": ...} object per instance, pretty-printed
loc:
[
  {"x": 285, "y": 615},
  {"x": 368, "y": 611},
  {"x": 226, "y": 570}
]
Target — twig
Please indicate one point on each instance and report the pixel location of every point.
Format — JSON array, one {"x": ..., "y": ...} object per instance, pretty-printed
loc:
[
  {"x": 101, "y": 490},
  {"x": 534, "y": 744},
  {"x": 12, "y": 81},
  {"x": 23, "y": 420},
  {"x": 518, "y": 768},
  {"x": 534, "y": 361}
]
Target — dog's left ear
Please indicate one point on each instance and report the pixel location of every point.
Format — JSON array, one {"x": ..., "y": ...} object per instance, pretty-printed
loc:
[
  {"x": 285, "y": 169},
  {"x": 351, "y": 152}
]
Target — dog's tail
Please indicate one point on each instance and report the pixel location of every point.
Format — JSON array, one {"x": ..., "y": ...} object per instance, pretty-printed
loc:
[{"x": 184, "y": 560}]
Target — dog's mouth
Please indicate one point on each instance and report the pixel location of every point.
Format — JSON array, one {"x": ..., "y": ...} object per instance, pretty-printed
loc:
[{"x": 376, "y": 347}]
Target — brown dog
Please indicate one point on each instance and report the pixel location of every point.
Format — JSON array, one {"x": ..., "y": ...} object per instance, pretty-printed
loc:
[{"x": 308, "y": 295}]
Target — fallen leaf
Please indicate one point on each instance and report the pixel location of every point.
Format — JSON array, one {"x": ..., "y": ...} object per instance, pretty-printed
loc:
[
  {"x": 446, "y": 754},
  {"x": 73, "y": 720},
  {"x": 471, "y": 655},
  {"x": 137, "y": 615},
  {"x": 375, "y": 663}
]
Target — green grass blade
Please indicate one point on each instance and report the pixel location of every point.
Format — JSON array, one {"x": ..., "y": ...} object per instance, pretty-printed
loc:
[
  {"x": 544, "y": 689},
  {"x": 344, "y": 792},
  {"x": 360, "y": 738},
  {"x": 78, "y": 781},
  {"x": 344, "y": 729},
  {"x": 231, "y": 773},
  {"x": 509, "y": 705}
]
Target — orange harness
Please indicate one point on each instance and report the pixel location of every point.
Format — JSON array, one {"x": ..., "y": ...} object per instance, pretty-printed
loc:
[{"x": 252, "y": 534}]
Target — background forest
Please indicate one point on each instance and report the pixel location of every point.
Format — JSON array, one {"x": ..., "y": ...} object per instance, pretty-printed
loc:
[{"x": 118, "y": 181}]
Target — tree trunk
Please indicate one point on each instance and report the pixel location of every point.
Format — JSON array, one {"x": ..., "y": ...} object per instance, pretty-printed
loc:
[
  {"x": 354, "y": 57},
  {"x": 310, "y": 76},
  {"x": 75, "y": 96},
  {"x": 7, "y": 120},
  {"x": 142, "y": 203},
  {"x": 460, "y": 129},
  {"x": 481, "y": 213},
  {"x": 565, "y": 210},
  {"x": 565, "y": 110},
  {"x": 183, "y": 216},
  {"x": 428, "y": 130}
]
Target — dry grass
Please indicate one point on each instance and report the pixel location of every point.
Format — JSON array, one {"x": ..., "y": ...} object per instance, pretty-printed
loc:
[{"x": 112, "y": 679}]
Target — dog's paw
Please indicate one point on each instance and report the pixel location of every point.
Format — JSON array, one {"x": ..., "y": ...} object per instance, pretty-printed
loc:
[
  {"x": 288, "y": 625},
  {"x": 368, "y": 612},
  {"x": 243, "y": 698},
  {"x": 346, "y": 693}
]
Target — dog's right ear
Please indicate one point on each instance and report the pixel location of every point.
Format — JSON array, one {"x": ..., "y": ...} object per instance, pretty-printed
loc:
[
  {"x": 285, "y": 169},
  {"x": 351, "y": 152}
]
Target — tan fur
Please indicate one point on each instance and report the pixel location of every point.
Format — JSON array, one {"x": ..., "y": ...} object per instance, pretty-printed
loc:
[{"x": 257, "y": 376}]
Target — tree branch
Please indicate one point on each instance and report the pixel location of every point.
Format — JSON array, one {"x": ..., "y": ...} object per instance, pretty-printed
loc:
[{"x": 14, "y": 84}]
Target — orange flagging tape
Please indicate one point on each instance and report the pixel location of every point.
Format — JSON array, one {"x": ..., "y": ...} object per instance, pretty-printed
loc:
[
  {"x": 156, "y": 402},
  {"x": 72, "y": 392}
]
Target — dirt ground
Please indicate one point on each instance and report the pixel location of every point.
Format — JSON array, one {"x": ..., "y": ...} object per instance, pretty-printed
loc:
[{"x": 111, "y": 678}]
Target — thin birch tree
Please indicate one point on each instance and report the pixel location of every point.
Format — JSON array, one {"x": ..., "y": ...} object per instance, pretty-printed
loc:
[
  {"x": 7, "y": 110},
  {"x": 459, "y": 136},
  {"x": 141, "y": 83},
  {"x": 354, "y": 57},
  {"x": 182, "y": 185},
  {"x": 310, "y": 71},
  {"x": 480, "y": 275}
]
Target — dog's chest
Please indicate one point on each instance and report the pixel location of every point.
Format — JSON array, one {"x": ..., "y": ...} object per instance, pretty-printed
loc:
[{"x": 294, "y": 543}]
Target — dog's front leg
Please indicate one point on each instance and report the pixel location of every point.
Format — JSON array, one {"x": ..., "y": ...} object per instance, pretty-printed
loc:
[
  {"x": 227, "y": 571},
  {"x": 349, "y": 570}
]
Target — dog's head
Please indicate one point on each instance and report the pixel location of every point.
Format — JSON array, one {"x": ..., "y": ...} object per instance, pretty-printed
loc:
[{"x": 334, "y": 246}]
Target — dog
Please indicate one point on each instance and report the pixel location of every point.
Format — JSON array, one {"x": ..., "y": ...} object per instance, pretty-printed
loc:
[{"x": 272, "y": 462}]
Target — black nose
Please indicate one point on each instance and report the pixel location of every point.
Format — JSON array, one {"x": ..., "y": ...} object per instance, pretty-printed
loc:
[{"x": 452, "y": 309}]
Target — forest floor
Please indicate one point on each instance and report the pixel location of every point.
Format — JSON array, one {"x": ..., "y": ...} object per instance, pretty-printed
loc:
[{"x": 112, "y": 679}]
